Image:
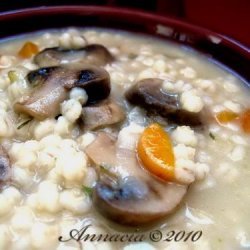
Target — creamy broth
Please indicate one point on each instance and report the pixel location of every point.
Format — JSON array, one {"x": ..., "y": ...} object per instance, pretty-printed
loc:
[{"x": 53, "y": 170}]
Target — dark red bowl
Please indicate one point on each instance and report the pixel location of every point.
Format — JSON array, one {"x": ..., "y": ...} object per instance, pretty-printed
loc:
[{"x": 221, "y": 48}]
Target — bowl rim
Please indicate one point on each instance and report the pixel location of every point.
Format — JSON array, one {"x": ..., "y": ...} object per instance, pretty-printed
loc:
[
  {"x": 228, "y": 52},
  {"x": 126, "y": 12}
]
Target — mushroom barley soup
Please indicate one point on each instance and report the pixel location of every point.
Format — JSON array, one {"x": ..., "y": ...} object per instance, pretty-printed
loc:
[{"x": 125, "y": 133}]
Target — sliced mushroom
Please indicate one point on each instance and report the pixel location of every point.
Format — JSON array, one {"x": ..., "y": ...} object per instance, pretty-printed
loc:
[
  {"x": 51, "y": 86},
  {"x": 129, "y": 195},
  {"x": 148, "y": 94},
  {"x": 44, "y": 100},
  {"x": 95, "y": 81},
  {"x": 38, "y": 77},
  {"x": 93, "y": 54},
  {"x": 132, "y": 201},
  {"x": 4, "y": 165},
  {"x": 101, "y": 115}
]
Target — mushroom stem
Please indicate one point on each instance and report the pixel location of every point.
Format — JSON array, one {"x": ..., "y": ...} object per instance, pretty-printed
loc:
[{"x": 101, "y": 115}]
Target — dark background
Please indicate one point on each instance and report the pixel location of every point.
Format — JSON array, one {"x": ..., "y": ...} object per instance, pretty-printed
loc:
[{"x": 230, "y": 17}]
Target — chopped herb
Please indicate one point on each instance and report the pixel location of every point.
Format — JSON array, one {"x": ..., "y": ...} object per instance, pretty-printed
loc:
[
  {"x": 85, "y": 39},
  {"x": 104, "y": 167},
  {"x": 105, "y": 170},
  {"x": 87, "y": 190},
  {"x": 13, "y": 76},
  {"x": 211, "y": 135},
  {"x": 24, "y": 123},
  {"x": 132, "y": 56}
]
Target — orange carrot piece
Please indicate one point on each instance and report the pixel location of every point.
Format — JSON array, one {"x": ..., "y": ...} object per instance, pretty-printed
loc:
[
  {"x": 28, "y": 50},
  {"x": 155, "y": 151},
  {"x": 226, "y": 116},
  {"x": 245, "y": 121}
]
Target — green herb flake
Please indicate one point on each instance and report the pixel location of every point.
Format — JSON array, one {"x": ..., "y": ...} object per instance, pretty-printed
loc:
[
  {"x": 87, "y": 190},
  {"x": 132, "y": 56},
  {"x": 24, "y": 123},
  {"x": 13, "y": 76},
  {"x": 105, "y": 169},
  {"x": 212, "y": 136}
]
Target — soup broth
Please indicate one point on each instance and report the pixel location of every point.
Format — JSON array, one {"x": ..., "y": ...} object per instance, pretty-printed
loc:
[{"x": 127, "y": 134}]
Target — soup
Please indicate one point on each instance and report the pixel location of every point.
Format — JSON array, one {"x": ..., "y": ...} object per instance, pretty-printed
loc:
[{"x": 110, "y": 140}]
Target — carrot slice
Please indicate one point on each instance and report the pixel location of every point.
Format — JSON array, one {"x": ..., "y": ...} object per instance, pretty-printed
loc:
[
  {"x": 226, "y": 116},
  {"x": 155, "y": 151},
  {"x": 245, "y": 121},
  {"x": 28, "y": 50}
]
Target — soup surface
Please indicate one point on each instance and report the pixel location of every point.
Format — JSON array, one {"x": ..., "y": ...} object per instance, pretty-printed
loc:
[{"x": 108, "y": 134}]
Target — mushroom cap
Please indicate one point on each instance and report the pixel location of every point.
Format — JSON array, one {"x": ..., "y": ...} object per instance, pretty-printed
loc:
[
  {"x": 95, "y": 81},
  {"x": 148, "y": 94},
  {"x": 93, "y": 54},
  {"x": 158, "y": 200}
]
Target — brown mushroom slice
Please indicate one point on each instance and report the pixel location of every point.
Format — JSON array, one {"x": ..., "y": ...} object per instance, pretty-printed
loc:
[
  {"x": 135, "y": 202},
  {"x": 101, "y": 115},
  {"x": 98, "y": 55},
  {"x": 148, "y": 94},
  {"x": 45, "y": 99},
  {"x": 95, "y": 81},
  {"x": 93, "y": 54},
  {"x": 4, "y": 165},
  {"x": 52, "y": 85},
  {"x": 39, "y": 76},
  {"x": 129, "y": 195}
]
